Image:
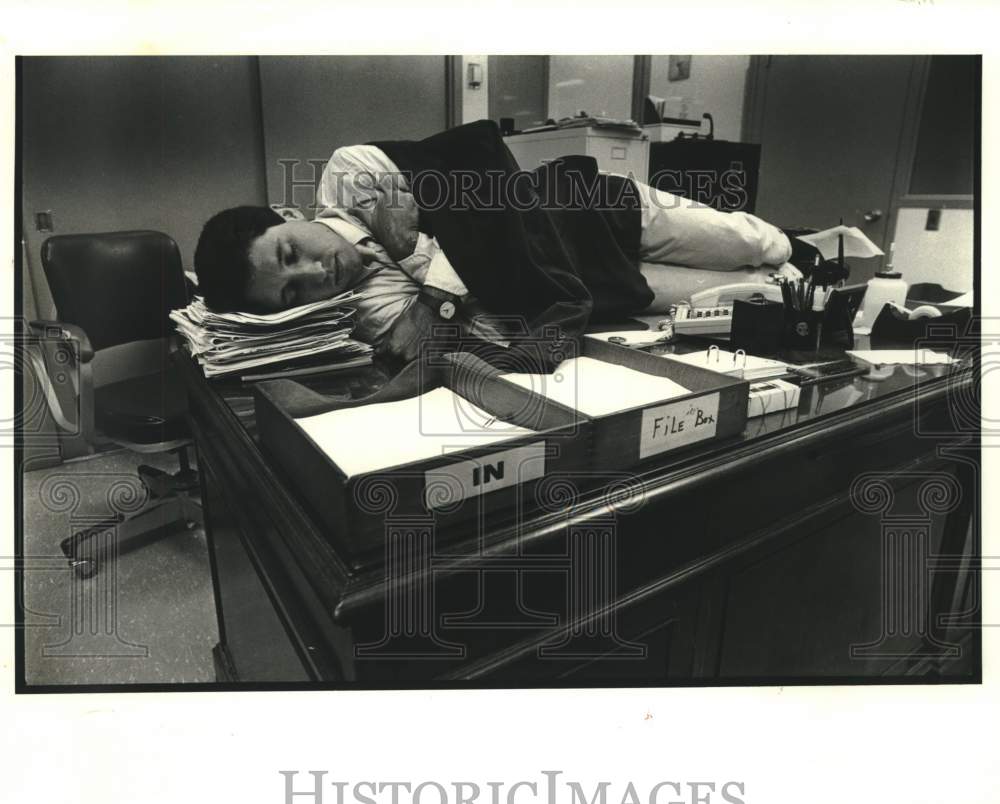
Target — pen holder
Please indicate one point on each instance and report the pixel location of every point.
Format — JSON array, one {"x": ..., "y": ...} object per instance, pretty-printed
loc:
[
  {"x": 830, "y": 327},
  {"x": 800, "y": 328},
  {"x": 838, "y": 321},
  {"x": 757, "y": 327},
  {"x": 761, "y": 328}
]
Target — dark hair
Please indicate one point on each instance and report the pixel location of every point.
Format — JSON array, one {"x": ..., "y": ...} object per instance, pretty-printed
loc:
[{"x": 222, "y": 260}]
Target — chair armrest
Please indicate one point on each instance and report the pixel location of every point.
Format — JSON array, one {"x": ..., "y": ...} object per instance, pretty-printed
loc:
[
  {"x": 80, "y": 434},
  {"x": 69, "y": 332}
]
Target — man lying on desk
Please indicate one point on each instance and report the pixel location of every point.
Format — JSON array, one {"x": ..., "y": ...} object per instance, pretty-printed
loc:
[{"x": 418, "y": 258}]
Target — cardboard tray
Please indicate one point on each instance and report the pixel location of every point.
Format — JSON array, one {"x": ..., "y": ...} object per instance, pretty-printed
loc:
[
  {"x": 467, "y": 487},
  {"x": 716, "y": 408}
]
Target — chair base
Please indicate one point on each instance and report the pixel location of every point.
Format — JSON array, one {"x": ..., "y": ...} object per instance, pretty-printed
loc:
[{"x": 173, "y": 501}]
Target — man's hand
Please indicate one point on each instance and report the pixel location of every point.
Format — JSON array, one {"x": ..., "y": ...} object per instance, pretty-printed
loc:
[
  {"x": 393, "y": 219},
  {"x": 411, "y": 329},
  {"x": 788, "y": 272}
]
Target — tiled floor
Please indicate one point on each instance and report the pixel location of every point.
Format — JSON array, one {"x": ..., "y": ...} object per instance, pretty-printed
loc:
[{"x": 147, "y": 617}]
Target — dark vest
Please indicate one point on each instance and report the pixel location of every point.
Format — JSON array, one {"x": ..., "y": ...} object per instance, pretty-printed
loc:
[{"x": 558, "y": 245}]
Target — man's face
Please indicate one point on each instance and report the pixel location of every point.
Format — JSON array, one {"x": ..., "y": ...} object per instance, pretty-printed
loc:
[{"x": 298, "y": 262}]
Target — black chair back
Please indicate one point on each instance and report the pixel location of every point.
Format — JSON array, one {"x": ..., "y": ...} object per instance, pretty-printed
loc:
[{"x": 119, "y": 287}]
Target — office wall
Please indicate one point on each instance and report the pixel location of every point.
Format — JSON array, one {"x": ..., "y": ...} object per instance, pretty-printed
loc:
[
  {"x": 518, "y": 89},
  {"x": 943, "y": 256},
  {"x": 475, "y": 100},
  {"x": 137, "y": 143},
  {"x": 717, "y": 84},
  {"x": 599, "y": 85},
  {"x": 314, "y": 105}
]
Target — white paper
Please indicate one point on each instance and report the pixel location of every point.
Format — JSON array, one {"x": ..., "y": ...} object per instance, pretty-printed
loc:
[
  {"x": 444, "y": 485},
  {"x": 200, "y": 313},
  {"x": 726, "y": 362},
  {"x": 906, "y": 357},
  {"x": 224, "y": 343},
  {"x": 596, "y": 388},
  {"x": 856, "y": 243},
  {"x": 771, "y": 396},
  {"x": 965, "y": 300},
  {"x": 372, "y": 438}
]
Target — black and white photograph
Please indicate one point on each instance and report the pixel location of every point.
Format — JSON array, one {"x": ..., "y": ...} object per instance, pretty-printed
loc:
[
  {"x": 538, "y": 370},
  {"x": 555, "y": 375}
]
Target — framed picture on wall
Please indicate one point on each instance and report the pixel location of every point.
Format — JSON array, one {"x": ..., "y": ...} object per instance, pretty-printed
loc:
[{"x": 679, "y": 68}]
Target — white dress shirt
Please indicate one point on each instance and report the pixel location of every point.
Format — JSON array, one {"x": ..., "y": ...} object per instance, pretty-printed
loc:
[
  {"x": 346, "y": 193},
  {"x": 675, "y": 231}
]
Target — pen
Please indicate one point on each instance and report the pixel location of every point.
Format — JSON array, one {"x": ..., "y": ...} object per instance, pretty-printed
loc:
[
  {"x": 840, "y": 248},
  {"x": 818, "y": 305},
  {"x": 786, "y": 293}
]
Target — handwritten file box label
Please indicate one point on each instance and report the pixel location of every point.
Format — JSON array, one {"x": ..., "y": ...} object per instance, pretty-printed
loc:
[
  {"x": 450, "y": 484},
  {"x": 667, "y": 427}
]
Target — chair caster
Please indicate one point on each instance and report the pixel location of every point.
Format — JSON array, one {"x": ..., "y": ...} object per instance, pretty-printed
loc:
[
  {"x": 187, "y": 480},
  {"x": 84, "y": 568},
  {"x": 82, "y": 548}
]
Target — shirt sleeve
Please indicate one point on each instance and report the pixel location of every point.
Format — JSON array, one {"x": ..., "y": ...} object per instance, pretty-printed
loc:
[
  {"x": 441, "y": 275},
  {"x": 349, "y": 183},
  {"x": 352, "y": 176},
  {"x": 678, "y": 231}
]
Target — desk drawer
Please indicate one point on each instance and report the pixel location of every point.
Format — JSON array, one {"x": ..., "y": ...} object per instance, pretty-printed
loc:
[{"x": 625, "y": 157}]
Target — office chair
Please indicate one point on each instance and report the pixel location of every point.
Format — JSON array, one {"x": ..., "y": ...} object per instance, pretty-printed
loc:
[{"x": 113, "y": 293}]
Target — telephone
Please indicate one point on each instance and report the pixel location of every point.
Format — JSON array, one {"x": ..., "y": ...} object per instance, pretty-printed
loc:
[
  {"x": 726, "y": 294},
  {"x": 710, "y": 312}
]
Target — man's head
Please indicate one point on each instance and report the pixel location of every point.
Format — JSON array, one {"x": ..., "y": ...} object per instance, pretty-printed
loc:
[{"x": 252, "y": 259}]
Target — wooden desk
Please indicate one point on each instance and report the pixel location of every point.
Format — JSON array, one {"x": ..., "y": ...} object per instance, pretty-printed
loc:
[{"x": 746, "y": 562}]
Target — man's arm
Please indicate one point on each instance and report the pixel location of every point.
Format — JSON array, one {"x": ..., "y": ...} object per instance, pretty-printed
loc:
[
  {"x": 431, "y": 306},
  {"x": 677, "y": 231},
  {"x": 365, "y": 183}
]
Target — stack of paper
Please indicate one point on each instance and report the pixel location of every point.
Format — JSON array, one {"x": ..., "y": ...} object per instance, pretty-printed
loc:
[
  {"x": 597, "y": 121},
  {"x": 735, "y": 364},
  {"x": 596, "y": 388},
  {"x": 772, "y": 396},
  {"x": 415, "y": 429},
  {"x": 226, "y": 343}
]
